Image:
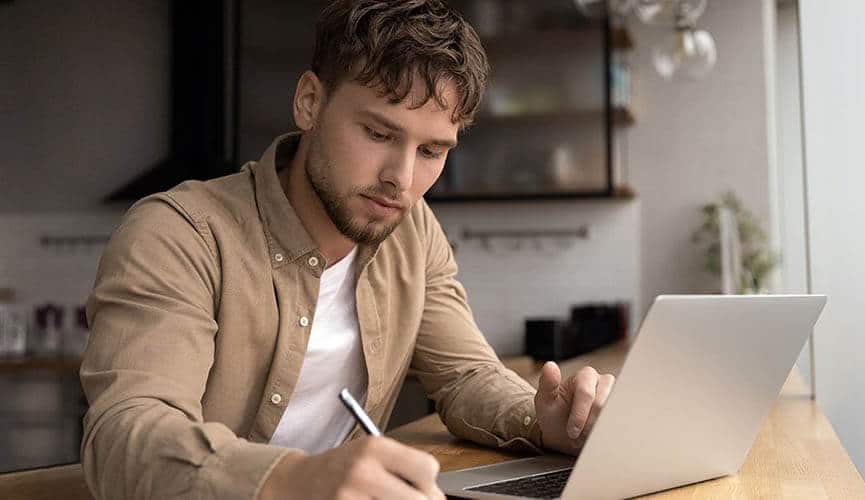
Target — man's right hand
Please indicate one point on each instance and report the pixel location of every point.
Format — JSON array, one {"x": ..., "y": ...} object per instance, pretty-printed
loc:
[{"x": 369, "y": 467}]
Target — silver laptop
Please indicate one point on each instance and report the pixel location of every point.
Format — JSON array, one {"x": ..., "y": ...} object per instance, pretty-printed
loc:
[{"x": 687, "y": 405}]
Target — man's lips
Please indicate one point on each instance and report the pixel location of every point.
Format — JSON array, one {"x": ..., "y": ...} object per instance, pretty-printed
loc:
[{"x": 385, "y": 202}]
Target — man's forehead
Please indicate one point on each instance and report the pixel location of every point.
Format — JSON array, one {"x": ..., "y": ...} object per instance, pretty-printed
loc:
[
  {"x": 417, "y": 98},
  {"x": 419, "y": 95}
]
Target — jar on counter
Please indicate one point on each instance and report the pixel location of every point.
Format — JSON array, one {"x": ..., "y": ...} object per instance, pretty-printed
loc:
[
  {"x": 75, "y": 337},
  {"x": 46, "y": 338},
  {"x": 13, "y": 326}
]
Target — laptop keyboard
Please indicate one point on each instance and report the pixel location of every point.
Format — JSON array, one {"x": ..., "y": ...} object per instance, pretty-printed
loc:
[{"x": 547, "y": 485}]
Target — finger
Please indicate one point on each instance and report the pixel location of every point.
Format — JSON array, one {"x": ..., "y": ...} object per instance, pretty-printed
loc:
[
  {"x": 605, "y": 385},
  {"x": 585, "y": 386},
  {"x": 417, "y": 467},
  {"x": 548, "y": 384},
  {"x": 385, "y": 485}
]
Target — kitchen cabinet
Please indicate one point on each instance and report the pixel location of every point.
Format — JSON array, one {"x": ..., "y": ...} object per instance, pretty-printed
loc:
[{"x": 546, "y": 125}]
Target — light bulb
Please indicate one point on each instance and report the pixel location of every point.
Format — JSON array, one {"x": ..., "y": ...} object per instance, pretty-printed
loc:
[
  {"x": 597, "y": 9},
  {"x": 620, "y": 7},
  {"x": 593, "y": 9},
  {"x": 689, "y": 52},
  {"x": 669, "y": 11}
]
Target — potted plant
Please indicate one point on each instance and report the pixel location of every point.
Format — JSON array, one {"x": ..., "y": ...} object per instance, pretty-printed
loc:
[{"x": 757, "y": 261}]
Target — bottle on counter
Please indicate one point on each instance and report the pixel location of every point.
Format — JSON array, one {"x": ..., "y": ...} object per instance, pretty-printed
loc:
[
  {"x": 75, "y": 337},
  {"x": 46, "y": 340}
]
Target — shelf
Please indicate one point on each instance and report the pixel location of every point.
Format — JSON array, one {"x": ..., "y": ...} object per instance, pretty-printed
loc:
[
  {"x": 624, "y": 192},
  {"x": 541, "y": 42},
  {"x": 39, "y": 363},
  {"x": 621, "y": 39},
  {"x": 621, "y": 193},
  {"x": 622, "y": 116}
]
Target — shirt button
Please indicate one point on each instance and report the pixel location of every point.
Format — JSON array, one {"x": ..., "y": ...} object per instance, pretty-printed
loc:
[
  {"x": 527, "y": 421},
  {"x": 276, "y": 398},
  {"x": 278, "y": 257},
  {"x": 304, "y": 321},
  {"x": 313, "y": 261}
]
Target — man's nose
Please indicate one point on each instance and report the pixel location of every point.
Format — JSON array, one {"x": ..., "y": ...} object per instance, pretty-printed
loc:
[{"x": 400, "y": 170}]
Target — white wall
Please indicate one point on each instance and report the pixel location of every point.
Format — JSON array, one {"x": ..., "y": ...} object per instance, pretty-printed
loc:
[
  {"x": 833, "y": 83},
  {"x": 694, "y": 140},
  {"x": 41, "y": 274},
  {"x": 508, "y": 284},
  {"x": 84, "y": 99}
]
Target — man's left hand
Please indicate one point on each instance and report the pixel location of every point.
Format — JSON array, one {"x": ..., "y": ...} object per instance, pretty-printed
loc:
[{"x": 567, "y": 410}]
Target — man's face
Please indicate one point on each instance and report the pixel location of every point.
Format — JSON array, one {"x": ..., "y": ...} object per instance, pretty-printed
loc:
[{"x": 369, "y": 160}]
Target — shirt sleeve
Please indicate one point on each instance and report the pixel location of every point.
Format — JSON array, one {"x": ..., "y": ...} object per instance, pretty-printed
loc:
[
  {"x": 151, "y": 315},
  {"x": 476, "y": 397}
]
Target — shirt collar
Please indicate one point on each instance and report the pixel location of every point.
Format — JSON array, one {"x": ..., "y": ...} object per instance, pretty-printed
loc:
[{"x": 287, "y": 239}]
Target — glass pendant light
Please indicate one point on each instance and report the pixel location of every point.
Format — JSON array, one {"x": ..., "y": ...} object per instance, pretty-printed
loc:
[
  {"x": 687, "y": 52},
  {"x": 668, "y": 11},
  {"x": 597, "y": 9}
]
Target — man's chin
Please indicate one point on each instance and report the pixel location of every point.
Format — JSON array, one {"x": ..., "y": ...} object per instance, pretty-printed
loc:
[{"x": 371, "y": 231}]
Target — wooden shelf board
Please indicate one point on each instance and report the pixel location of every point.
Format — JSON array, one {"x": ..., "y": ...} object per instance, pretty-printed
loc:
[
  {"x": 618, "y": 194},
  {"x": 623, "y": 117},
  {"x": 621, "y": 39},
  {"x": 9, "y": 364}
]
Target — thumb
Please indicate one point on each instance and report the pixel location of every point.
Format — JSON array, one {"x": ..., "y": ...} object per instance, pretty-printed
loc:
[{"x": 548, "y": 384}]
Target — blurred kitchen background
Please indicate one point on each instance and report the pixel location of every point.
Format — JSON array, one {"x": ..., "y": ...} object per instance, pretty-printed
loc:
[{"x": 613, "y": 143}]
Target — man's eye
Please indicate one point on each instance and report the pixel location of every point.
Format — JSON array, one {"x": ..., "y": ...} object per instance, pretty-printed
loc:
[
  {"x": 431, "y": 154},
  {"x": 375, "y": 135}
]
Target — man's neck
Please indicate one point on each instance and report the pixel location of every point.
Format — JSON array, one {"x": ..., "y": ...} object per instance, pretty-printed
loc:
[{"x": 310, "y": 210}]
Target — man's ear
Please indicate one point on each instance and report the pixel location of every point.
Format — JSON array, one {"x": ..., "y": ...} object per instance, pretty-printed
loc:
[{"x": 309, "y": 99}]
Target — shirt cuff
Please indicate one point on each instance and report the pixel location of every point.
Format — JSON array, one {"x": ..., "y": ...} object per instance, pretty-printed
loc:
[
  {"x": 238, "y": 470},
  {"x": 524, "y": 423}
]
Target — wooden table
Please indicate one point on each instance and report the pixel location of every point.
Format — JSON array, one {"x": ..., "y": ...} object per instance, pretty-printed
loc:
[
  {"x": 50, "y": 483},
  {"x": 796, "y": 454}
]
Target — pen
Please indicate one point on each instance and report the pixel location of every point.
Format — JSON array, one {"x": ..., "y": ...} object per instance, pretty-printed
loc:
[
  {"x": 358, "y": 413},
  {"x": 362, "y": 418}
]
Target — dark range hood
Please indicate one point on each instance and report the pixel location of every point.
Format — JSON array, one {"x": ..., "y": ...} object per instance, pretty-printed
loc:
[{"x": 203, "y": 97}]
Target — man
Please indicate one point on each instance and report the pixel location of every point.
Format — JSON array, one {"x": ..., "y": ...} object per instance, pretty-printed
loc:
[{"x": 227, "y": 315}]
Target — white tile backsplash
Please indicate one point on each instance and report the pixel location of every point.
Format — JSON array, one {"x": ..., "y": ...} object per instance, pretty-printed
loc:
[{"x": 507, "y": 284}]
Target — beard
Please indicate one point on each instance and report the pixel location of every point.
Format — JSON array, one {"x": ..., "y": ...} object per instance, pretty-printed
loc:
[{"x": 319, "y": 171}]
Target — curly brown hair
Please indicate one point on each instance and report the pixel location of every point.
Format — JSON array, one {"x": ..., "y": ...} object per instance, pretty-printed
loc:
[{"x": 386, "y": 43}]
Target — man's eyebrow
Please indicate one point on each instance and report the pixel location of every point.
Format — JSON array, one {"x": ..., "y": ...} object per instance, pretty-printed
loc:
[{"x": 387, "y": 123}]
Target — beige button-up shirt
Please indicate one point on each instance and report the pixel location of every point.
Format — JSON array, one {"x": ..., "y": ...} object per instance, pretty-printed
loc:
[{"x": 200, "y": 317}]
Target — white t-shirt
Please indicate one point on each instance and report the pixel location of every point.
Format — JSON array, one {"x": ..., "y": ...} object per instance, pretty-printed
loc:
[{"x": 315, "y": 419}]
